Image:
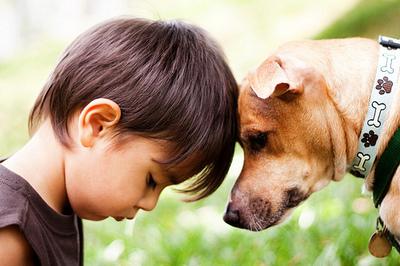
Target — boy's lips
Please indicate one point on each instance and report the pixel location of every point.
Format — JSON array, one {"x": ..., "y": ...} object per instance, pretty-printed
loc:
[
  {"x": 129, "y": 217},
  {"x": 120, "y": 218}
]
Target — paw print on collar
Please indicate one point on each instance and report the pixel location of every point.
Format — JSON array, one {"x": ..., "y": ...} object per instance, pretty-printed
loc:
[
  {"x": 369, "y": 139},
  {"x": 384, "y": 85}
]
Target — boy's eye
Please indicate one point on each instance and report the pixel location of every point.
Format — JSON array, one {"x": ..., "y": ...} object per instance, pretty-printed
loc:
[{"x": 150, "y": 181}]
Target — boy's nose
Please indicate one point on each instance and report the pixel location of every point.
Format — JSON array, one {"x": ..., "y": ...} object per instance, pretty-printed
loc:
[{"x": 148, "y": 203}]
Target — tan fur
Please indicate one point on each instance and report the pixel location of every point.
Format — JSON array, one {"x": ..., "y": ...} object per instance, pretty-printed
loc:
[{"x": 313, "y": 126}]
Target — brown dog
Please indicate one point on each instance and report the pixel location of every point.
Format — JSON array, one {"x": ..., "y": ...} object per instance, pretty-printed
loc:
[{"x": 300, "y": 114}]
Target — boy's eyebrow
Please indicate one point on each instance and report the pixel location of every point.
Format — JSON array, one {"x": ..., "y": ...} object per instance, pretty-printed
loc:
[{"x": 172, "y": 178}]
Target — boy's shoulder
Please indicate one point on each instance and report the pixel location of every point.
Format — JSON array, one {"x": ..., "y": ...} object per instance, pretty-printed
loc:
[
  {"x": 13, "y": 199},
  {"x": 17, "y": 251},
  {"x": 47, "y": 231},
  {"x": 13, "y": 202}
]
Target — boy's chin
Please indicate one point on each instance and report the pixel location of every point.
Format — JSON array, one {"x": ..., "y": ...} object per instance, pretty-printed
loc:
[{"x": 92, "y": 217}]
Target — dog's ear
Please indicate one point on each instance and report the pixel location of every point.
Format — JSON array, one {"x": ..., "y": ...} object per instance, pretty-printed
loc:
[{"x": 278, "y": 78}]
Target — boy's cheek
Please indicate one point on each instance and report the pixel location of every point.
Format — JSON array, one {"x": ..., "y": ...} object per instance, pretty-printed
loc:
[{"x": 82, "y": 200}]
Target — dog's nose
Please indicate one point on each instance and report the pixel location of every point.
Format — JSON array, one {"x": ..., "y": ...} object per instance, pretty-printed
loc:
[{"x": 232, "y": 216}]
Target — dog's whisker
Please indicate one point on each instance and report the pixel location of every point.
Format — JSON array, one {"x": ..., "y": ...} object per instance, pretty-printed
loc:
[
  {"x": 261, "y": 223},
  {"x": 256, "y": 222},
  {"x": 253, "y": 222},
  {"x": 261, "y": 220}
]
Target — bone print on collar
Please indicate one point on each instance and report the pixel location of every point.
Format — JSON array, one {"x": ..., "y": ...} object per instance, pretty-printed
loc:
[
  {"x": 388, "y": 67},
  {"x": 379, "y": 106},
  {"x": 363, "y": 158}
]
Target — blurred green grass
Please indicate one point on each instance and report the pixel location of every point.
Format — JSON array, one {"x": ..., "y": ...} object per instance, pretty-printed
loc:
[
  {"x": 331, "y": 228},
  {"x": 327, "y": 230},
  {"x": 369, "y": 18},
  {"x": 21, "y": 79}
]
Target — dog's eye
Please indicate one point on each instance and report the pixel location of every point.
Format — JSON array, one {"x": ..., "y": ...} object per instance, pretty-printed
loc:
[{"x": 257, "y": 141}]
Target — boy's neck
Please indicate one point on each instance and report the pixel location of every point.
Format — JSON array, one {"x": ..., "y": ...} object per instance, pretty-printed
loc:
[{"x": 41, "y": 163}]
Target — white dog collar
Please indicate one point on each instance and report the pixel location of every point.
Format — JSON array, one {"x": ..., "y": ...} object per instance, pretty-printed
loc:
[{"x": 379, "y": 106}]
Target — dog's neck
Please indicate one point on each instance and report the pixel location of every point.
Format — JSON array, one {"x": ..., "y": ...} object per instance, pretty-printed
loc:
[{"x": 350, "y": 88}]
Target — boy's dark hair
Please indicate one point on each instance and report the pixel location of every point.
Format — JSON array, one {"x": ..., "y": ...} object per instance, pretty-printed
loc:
[{"x": 171, "y": 82}]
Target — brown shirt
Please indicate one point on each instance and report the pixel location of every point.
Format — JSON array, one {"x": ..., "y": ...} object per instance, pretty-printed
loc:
[{"x": 55, "y": 238}]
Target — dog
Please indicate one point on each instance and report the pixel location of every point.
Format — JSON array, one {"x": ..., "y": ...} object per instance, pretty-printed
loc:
[{"x": 300, "y": 115}]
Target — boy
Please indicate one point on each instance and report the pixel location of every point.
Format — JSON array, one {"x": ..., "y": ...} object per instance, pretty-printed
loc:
[{"x": 133, "y": 106}]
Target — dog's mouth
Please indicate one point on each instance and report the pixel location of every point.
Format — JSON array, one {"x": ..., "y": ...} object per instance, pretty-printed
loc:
[{"x": 259, "y": 214}]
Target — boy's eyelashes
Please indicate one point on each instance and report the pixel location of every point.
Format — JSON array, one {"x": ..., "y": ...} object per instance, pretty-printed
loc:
[{"x": 150, "y": 181}]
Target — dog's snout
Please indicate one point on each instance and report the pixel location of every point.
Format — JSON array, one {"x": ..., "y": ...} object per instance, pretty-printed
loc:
[{"x": 232, "y": 216}]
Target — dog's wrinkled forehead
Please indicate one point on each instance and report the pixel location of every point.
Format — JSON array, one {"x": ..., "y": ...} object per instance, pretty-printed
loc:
[
  {"x": 253, "y": 109},
  {"x": 247, "y": 93},
  {"x": 250, "y": 108}
]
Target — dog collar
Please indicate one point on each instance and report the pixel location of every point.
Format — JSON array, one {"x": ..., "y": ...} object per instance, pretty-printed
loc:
[{"x": 379, "y": 106}]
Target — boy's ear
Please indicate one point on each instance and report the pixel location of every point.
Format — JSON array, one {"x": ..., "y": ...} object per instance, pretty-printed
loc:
[
  {"x": 96, "y": 119},
  {"x": 278, "y": 79}
]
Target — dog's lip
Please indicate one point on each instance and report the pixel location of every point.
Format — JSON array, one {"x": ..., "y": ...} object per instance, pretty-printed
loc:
[{"x": 294, "y": 196}]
